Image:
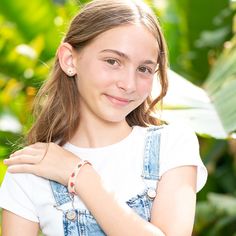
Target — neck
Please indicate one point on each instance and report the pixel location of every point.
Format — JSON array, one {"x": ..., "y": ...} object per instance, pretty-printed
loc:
[{"x": 92, "y": 134}]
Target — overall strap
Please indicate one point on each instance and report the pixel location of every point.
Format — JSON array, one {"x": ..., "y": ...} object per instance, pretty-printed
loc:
[
  {"x": 60, "y": 193},
  {"x": 70, "y": 216},
  {"x": 150, "y": 165},
  {"x": 152, "y": 153}
]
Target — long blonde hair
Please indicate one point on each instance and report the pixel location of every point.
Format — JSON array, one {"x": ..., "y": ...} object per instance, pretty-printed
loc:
[{"x": 56, "y": 106}]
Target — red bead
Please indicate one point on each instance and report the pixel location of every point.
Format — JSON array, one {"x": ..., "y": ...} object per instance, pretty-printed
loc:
[
  {"x": 71, "y": 184},
  {"x": 73, "y": 174}
]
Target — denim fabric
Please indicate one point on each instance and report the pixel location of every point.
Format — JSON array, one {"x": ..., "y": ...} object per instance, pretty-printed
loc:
[{"x": 80, "y": 222}]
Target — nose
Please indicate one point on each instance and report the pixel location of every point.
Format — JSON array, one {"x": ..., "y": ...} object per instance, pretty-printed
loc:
[{"x": 127, "y": 81}]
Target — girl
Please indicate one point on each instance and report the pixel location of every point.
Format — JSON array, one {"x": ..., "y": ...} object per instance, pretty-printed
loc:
[{"x": 97, "y": 163}]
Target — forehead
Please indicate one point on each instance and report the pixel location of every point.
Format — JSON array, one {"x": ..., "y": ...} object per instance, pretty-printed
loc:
[{"x": 132, "y": 39}]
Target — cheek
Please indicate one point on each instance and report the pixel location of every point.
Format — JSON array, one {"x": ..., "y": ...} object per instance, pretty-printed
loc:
[
  {"x": 144, "y": 87},
  {"x": 94, "y": 79},
  {"x": 100, "y": 77}
]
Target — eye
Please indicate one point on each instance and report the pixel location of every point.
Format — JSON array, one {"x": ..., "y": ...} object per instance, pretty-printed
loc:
[
  {"x": 145, "y": 69},
  {"x": 112, "y": 61}
]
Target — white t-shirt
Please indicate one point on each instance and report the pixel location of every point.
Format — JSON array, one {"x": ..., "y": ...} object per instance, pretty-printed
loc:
[{"x": 120, "y": 166}]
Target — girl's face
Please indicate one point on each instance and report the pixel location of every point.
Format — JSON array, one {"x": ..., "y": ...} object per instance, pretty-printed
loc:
[{"x": 115, "y": 72}]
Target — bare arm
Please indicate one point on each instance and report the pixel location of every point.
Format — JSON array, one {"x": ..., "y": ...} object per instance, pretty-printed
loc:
[
  {"x": 114, "y": 218},
  {"x": 13, "y": 225},
  {"x": 173, "y": 209}
]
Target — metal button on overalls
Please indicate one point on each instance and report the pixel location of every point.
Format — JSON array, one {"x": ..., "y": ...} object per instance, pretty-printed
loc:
[
  {"x": 151, "y": 193},
  {"x": 71, "y": 215}
]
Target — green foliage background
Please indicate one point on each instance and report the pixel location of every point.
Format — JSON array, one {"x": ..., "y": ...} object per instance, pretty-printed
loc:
[{"x": 202, "y": 48}]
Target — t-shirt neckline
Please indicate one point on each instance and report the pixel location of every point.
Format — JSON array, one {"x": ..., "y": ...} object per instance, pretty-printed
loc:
[{"x": 125, "y": 141}]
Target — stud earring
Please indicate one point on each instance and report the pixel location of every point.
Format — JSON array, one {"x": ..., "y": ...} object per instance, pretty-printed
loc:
[{"x": 70, "y": 72}]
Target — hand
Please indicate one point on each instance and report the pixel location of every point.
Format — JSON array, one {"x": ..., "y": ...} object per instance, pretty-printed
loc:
[{"x": 47, "y": 160}]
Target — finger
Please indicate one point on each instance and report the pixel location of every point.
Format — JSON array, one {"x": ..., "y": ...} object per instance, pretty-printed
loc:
[
  {"x": 29, "y": 150},
  {"x": 23, "y": 159},
  {"x": 23, "y": 168},
  {"x": 18, "y": 152}
]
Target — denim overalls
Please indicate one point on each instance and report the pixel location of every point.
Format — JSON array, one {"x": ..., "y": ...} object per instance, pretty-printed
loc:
[{"x": 80, "y": 222}]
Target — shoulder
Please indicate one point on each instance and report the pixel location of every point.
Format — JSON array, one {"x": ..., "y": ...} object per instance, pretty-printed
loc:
[
  {"x": 22, "y": 180},
  {"x": 171, "y": 134},
  {"x": 18, "y": 193},
  {"x": 179, "y": 137},
  {"x": 180, "y": 147},
  {"x": 176, "y": 131}
]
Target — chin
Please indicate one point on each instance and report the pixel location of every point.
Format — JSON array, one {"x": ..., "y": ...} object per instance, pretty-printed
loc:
[{"x": 114, "y": 119}]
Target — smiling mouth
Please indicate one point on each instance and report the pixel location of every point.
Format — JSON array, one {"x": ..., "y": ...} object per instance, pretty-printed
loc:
[{"x": 118, "y": 100}]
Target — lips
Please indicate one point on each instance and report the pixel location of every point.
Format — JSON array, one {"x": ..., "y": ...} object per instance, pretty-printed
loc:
[{"x": 118, "y": 100}]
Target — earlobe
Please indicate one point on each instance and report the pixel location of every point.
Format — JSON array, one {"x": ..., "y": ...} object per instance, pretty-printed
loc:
[{"x": 65, "y": 56}]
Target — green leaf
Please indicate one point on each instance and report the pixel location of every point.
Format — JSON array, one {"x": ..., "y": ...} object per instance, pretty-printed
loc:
[
  {"x": 223, "y": 203},
  {"x": 188, "y": 103},
  {"x": 3, "y": 169},
  {"x": 30, "y": 25},
  {"x": 225, "y": 104},
  {"x": 211, "y": 112},
  {"x": 223, "y": 70}
]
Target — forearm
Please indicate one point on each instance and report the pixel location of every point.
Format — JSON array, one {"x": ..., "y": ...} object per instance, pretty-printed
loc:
[
  {"x": 13, "y": 224},
  {"x": 114, "y": 218},
  {"x": 171, "y": 213}
]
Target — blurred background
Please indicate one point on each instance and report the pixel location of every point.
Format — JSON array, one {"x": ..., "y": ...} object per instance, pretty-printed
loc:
[{"x": 202, "y": 52}]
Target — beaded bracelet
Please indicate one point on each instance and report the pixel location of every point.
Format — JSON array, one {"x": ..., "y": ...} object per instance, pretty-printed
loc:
[{"x": 72, "y": 179}]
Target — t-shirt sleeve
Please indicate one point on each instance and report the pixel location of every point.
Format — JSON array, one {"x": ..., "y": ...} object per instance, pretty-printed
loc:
[
  {"x": 180, "y": 147},
  {"x": 16, "y": 196}
]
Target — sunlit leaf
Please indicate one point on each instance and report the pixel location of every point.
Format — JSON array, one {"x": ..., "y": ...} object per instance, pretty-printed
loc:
[
  {"x": 3, "y": 169},
  {"x": 29, "y": 24},
  {"x": 188, "y": 103},
  {"x": 211, "y": 111},
  {"x": 223, "y": 203}
]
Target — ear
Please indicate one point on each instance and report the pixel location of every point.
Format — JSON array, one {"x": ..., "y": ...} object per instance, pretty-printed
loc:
[{"x": 66, "y": 60}]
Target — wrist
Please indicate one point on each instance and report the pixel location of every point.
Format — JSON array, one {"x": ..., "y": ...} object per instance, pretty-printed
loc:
[{"x": 72, "y": 182}]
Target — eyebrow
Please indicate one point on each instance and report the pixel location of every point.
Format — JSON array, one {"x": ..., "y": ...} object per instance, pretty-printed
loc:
[{"x": 121, "y": 54}]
